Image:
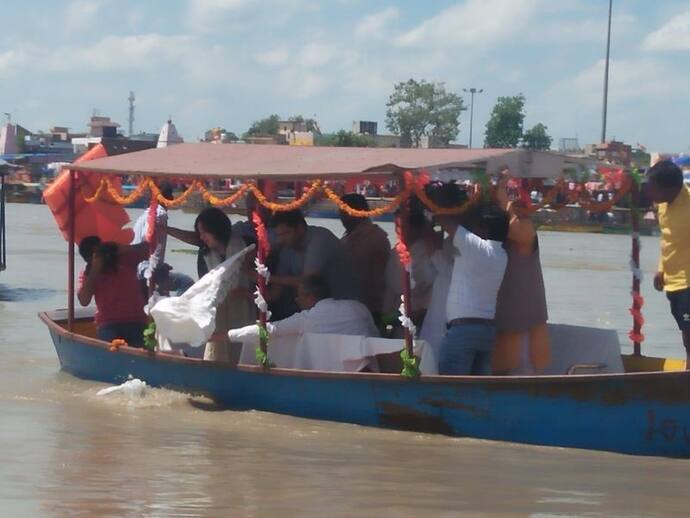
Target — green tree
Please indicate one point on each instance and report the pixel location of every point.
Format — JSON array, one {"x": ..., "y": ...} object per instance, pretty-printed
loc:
[
  {"x": 537, "y": 138},
  {"x": 311, "y": 124},
  {"x": 345, "y": 139},
  {"x": 504, "y": 128},
  {"x": 419, "y": 108},
  {"x": 267, "y": 126}
]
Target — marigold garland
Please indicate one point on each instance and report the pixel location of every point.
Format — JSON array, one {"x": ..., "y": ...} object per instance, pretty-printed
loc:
[
  {"x": 222, "y": 202},
  {"x": 133, "y": 196},
  {"x": 356, "y": 213},
  {"x": 97, "y": 192},
  {"x": 175, "y": 202},
  {"x": 285, "y": 207}
]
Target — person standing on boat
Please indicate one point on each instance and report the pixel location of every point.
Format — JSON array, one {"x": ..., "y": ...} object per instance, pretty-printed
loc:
[
  {"x": 110, "y": 276},
  {"x": 521, "y": 306},
  {"x": 213, "y": 233},
  {"x": 156, "y": 260},
  {"x": 320, "y": 252},
  {"x": 666, "y": 188},
  {"x": 370, "y": 249},
  {"x": 478, "y": 268}
]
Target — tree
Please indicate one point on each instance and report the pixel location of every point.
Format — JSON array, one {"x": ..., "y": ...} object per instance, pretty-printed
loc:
[
  {"x": 537, "y": 138},
  {"x": 345, "y": 139},
  {"x": 419, "y": 108},
  {"x": 267, "y": 126},
  {"x": 504, "y": 128},
  {"x": 311, "y": 124}
]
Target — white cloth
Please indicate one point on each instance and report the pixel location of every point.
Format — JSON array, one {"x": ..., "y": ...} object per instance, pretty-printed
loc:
[
  {"x": 141, "y": 228},
  {"x": 335, "y": 352},
  {"x": 478, "y": 268},
  {"x": 434, "y": 326},
  {"x": 191, "y": 317},
  {"x": 343, "y": 317}
]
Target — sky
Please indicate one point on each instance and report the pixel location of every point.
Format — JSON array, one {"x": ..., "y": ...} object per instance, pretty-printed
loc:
[{"x": 229, "y": 62}]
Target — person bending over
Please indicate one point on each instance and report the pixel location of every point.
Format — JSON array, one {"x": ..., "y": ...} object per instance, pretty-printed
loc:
[
  {"x": 320, "y": 314},
  {"x": 110, "y": 276}
]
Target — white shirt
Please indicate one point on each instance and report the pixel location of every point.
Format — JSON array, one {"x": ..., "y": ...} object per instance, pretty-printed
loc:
[
  {"x": 141, "y": 228},
  {"x": 344, "y": 317},
  {"x": 478, "y": 268}
]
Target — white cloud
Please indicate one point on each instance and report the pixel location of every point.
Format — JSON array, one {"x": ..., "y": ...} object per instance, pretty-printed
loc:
[
  {"x": 204, "y": 14},
  {"x": 121, "y": 52},
  {"x": 472, "y": 23},
  {"x": 11, "y": 59},
  {"x": 674, "y": 35},
  {"x": 274, "y": 57},
  {"x": 81, "y": 14},
  {"x": 315, "y": 55},
  {"x": 372, "y": 25}
]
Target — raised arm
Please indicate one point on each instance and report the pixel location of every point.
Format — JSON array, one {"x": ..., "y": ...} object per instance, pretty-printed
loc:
[{"x": 188, "y": 236}]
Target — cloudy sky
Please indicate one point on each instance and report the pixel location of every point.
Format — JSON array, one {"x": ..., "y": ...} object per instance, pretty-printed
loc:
[{"x": 228, "y": 62}]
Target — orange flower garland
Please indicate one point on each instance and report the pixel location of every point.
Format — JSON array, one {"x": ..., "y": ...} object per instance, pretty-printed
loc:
[
  {"x": 284, "y": 207},
  {"x": 97, "y": 192},
  {"x": 116, "y": 344},
  {"x": 222, "y": 202},
  {"x": 131, "y": 198}
]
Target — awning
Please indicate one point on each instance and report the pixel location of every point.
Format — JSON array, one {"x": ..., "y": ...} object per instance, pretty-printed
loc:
[{"x": 276, "y": 162}]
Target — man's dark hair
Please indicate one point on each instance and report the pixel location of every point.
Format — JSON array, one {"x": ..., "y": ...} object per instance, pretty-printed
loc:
[
  {"x": 496, "y": 222},
  {"x": 446, "y": 195},
  {"x": 88, "y": 246},
  {"x": 316, "y": 286},
  {"x": 166, "y": 189},
  {"x": 666, "y": 175},
  {"x": 216, "y": 223},
  {"x": 355, "y": 201},
  {"x": 290, "y": 218}
]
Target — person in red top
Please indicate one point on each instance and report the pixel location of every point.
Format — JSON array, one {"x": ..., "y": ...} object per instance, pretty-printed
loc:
[{"x": 110, "y": 277}]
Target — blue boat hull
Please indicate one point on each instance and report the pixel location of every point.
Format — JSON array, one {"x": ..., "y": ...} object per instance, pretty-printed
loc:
[{"x": 635, "y": 413}]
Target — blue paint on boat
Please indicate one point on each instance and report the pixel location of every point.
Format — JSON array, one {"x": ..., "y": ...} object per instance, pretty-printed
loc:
[{"x": 634, "y": 413}]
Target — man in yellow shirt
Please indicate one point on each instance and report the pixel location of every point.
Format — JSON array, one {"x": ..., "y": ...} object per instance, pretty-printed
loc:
[{"x": 666, "y": 188}]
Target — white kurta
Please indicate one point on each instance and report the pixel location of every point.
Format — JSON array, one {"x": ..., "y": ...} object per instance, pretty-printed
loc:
[{"x": 343, "y": 317}]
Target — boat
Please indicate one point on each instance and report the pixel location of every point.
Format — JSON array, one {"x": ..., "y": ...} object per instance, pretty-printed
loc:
[{"x": 644, "y": 409}]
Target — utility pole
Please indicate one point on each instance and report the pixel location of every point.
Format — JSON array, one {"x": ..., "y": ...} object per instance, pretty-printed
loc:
[
  {"x": 131, "y": 112},
  {"x": 472, "y": 91},
  {"x": 606, "y": 76}
]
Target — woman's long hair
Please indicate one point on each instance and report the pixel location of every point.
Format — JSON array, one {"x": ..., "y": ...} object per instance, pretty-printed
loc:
[{"x": 216, "y": 223}]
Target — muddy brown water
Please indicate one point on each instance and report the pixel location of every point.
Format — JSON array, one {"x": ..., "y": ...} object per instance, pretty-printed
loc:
[{"x": 67, "y": 452}]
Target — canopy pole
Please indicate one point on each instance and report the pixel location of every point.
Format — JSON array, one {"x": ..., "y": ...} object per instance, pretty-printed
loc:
[
  {"x": 405, "y": 272},
  {"x": 71, "y": 217},
  {"x": 635, "y": 256},
  {"x": 261, "y": 254}
]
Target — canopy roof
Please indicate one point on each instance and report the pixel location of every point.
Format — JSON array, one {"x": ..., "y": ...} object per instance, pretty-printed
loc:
[{"x": 280, "y": 162}]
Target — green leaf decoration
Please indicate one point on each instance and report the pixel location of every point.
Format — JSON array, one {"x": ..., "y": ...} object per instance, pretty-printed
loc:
[
  {"x": 262, "y": 358},
  {"x": 636, "y": 176},
  {"x": 410, "y": 365},
  {"x": 150, "y": 336}
]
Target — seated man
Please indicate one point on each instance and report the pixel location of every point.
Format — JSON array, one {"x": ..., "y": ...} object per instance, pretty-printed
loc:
[
  {"x": 110, "y": 277},
  {"x": 320, "y": 314},
  {"x": 320, "y": 252}
]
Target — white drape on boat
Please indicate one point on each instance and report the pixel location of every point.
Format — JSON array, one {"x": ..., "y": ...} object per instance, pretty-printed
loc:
[{"x": 191, "y": 317}]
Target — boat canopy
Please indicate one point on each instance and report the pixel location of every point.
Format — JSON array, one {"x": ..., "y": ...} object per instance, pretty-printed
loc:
[{"x": 280, "y": 162}]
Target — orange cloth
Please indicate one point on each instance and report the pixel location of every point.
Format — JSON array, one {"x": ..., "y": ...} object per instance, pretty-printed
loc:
[{"x": 100, "y": 218}]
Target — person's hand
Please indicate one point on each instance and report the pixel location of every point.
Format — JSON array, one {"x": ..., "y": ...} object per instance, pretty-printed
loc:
[{"x": 659, "y": 281}]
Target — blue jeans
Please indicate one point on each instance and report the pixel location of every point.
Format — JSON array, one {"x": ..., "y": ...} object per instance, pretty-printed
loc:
[
  {"x": 466, "y": 349},
  {"x": 130, "y": 332}
]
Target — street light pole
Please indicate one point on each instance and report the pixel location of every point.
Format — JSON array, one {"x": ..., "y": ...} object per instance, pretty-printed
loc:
[
  {"x": 472, "y": 91},
  {"x": 606, "y": 77}
]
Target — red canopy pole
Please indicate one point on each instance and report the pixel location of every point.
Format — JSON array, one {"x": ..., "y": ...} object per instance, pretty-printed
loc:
[
  {"x": 262, "y": 250},
  {"x": 70, "y": 248},
  {"x": 636, "y": 334}
]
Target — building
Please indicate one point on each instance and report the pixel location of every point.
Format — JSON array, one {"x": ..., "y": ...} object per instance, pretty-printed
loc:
[
  {"x": 8, "y": 140},
  {"x": 613, "y": 152},
  {"x": 370, "y": 128},
  {"x": 569, "y": 145},
  {"x": 102, "y": 127},
  {"x": 168, "y": 135}
]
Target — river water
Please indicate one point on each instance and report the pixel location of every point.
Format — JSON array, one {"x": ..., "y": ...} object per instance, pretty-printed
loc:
[{"x": 67, "y": 452}]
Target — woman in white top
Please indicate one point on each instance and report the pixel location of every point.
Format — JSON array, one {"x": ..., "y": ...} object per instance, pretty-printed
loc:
[{"x": 213, "y": 234}]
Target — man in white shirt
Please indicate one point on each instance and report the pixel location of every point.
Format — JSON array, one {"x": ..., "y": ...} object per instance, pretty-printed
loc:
[
  {"x": 320, "y": 314},
  {"x": 478, "y": 266}
]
